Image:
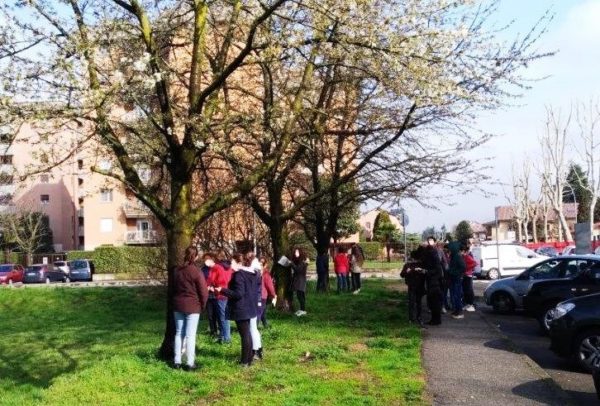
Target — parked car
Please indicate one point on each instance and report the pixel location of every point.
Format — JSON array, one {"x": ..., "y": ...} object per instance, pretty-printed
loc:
[
  {"x": 507, "y": 294},
  {"x": 62, "y": 265},
  {"x": 547, "y": 251},
  {"x": 41, "y": 273},
  {"x": 514, "y": 259},
  {"x": 575, "y": 330},
  {"x": 568, "y": 250},
  {"x": 543, "y": 296},
  {"x": 11, "y": 273},
  {"x": 81, "y": 270}
]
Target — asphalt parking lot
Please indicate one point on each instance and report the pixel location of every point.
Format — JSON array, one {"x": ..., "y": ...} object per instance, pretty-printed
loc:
[{"x": 526, "y": 334}]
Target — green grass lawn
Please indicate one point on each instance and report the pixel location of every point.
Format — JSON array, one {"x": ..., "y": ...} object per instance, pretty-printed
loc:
[{"x": 97, "y": 346}]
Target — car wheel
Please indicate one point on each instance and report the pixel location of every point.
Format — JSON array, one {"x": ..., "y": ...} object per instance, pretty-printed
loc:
[
  {"x": 545, "y": 317},
  {"x": 67, "y": 279},
  {"x": 502, "y": 302},
  {"x": 47, "y": 279},
  {"x": 587, "y": 349},
  {"x": 493, "y": 274}
]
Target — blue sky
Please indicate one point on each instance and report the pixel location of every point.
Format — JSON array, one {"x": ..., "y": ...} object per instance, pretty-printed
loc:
[{"x": 573, "y": 72}]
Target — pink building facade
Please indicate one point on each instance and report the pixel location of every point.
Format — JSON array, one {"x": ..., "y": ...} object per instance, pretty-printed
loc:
[{"x": 85, "y": 209}]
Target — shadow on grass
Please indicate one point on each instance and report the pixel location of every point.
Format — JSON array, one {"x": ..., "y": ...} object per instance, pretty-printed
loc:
[
  {"x": 58, "y": 331},
  {"x": 62, "y": 331}
]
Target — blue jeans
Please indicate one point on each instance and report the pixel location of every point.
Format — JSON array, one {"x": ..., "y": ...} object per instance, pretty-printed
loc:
[
  {"x": 341, "y": 283},
  {"x": 224, "y": 326},
  {"x": 186, "y": 325},
  {"x": 456, "y": 293}
]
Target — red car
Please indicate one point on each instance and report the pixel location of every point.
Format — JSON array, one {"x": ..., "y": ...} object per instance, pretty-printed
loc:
[{"x": 11, "y": 273}]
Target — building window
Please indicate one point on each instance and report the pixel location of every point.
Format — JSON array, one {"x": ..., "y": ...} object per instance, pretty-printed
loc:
[
  {"x": 44, "y": 178},
  {"x": 80, "y": 164},
  {"x": 45, "y": 199},
  {"x": 6, "y": 179},
  {"x": 6, "y": 159},
  {"x": 106, "y": 225},
  {"x": 106, "y": 195},
  {"x": 80, "y": 181}
]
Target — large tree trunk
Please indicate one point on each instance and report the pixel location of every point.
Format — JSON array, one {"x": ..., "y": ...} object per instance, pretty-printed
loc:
[
  {"x": 178, "y": 239},
  {"x": 564, "y": 227},
  {"x": 534, "y": 225},
  {"x": 322, "y": 261},
  {"x": 282, "y": 274}
]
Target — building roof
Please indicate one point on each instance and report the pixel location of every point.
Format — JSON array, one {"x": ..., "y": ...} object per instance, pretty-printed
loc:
[
  {"x": 477, "y": 227},
  {"x": 506, "y": 213}
]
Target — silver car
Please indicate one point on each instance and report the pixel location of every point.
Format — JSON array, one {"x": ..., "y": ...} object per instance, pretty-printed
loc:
[{"x": 506, "y": 295}]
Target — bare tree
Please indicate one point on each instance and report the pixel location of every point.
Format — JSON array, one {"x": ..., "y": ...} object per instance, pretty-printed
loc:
[
  {"x": 26, "y": 228},
  {"x": 588, "y": 121},
  {"x": 554, "y": 142}
]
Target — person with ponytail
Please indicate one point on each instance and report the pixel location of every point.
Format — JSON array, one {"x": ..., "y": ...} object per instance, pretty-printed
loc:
[
  {"x": 242, "y": 304},
  {"x": 190, "y": 294}
]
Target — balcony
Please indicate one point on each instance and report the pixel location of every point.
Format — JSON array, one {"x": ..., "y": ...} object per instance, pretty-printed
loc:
[
  {"x": 136, "y": 211},
  {"x": 141, "y": 237}
]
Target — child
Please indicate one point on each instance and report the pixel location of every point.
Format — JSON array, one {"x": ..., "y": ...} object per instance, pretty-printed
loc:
[
  {"x": 468, "y": 294},
  {"x": 414, "y": 277},
  {"x": 341, "y": 268}
]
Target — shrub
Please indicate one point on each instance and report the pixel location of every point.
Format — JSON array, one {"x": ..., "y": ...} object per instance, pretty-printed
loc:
[
  {"x": 130, "y": 260},
  {"x": 372, "y": 250}
]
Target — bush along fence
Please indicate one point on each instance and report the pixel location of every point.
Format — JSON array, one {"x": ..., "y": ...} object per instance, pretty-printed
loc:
[{"x": 151, "y": 261}]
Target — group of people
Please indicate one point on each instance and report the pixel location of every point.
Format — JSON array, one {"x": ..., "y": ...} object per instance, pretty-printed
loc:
[
  {"x": 444, "y": 274},
  {"x": 347, "y": 266},
  {"x": 227, "y": 289}
]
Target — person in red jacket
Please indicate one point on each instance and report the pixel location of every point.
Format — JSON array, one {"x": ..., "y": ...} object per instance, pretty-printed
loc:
[
  {"x": 190, "y": 294},
  {"x": 469, "y": 295},
  {"x": 267, "y": 291},
  {"x": 341, "y": 266},
  {"x": 219, "y": 277}
]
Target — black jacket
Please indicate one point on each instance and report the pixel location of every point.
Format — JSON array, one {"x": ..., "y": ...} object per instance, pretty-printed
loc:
[
  {"x": 299, "y": 276},
  {"x": 432, "y": 263},
  {"x": 242, "y": 303},
  {"x": 414, "y": 275}
]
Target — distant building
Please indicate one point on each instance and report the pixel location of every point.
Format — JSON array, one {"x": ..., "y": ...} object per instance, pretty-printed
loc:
[
  {"x": 367, "y": 222},
  {"x": 506, "y": 227}
]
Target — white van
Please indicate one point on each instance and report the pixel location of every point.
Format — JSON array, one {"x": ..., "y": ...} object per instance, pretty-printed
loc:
[{"x": 514, "y": 259}]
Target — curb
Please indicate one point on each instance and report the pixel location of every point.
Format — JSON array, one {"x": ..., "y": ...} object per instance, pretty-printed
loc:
[{"x": 561, "y": 395}]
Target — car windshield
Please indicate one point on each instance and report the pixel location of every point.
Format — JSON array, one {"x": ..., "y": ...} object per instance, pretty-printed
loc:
[
  {"x": 34, "y": 268},
  {"x": 5, "y": 268},
  {"x": 79, "y": 265}
]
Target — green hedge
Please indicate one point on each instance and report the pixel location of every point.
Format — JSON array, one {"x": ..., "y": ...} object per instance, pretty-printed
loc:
[
  {"x": 372, "y": 250},
  {"x": 130, "y": 260}
]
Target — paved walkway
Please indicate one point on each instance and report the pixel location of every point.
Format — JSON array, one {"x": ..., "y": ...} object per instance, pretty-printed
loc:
[{"x": 470, "y": 362}]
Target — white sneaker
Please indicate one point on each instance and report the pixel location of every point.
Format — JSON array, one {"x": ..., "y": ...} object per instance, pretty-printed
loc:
[
  {"x": 444, "y": 310},
  {"x": 470, "y": 308},
  {"x": 298, "y": 313},
  {"x": 303, "y": 313}
]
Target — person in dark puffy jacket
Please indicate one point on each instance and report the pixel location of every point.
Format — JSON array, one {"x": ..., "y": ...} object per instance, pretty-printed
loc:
[
  {"x": 242, "y": 303},
  {"x": 189, "y": 299},
  {"x": 434, "y": 282},
  {"x": 456, "y": 271},
  {"x": 414, "y": 276},
  {"x": 299, "y": 267}
]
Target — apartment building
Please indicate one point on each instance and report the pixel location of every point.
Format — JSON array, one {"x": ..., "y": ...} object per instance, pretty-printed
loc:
[{"x": 85, "y": 209}]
